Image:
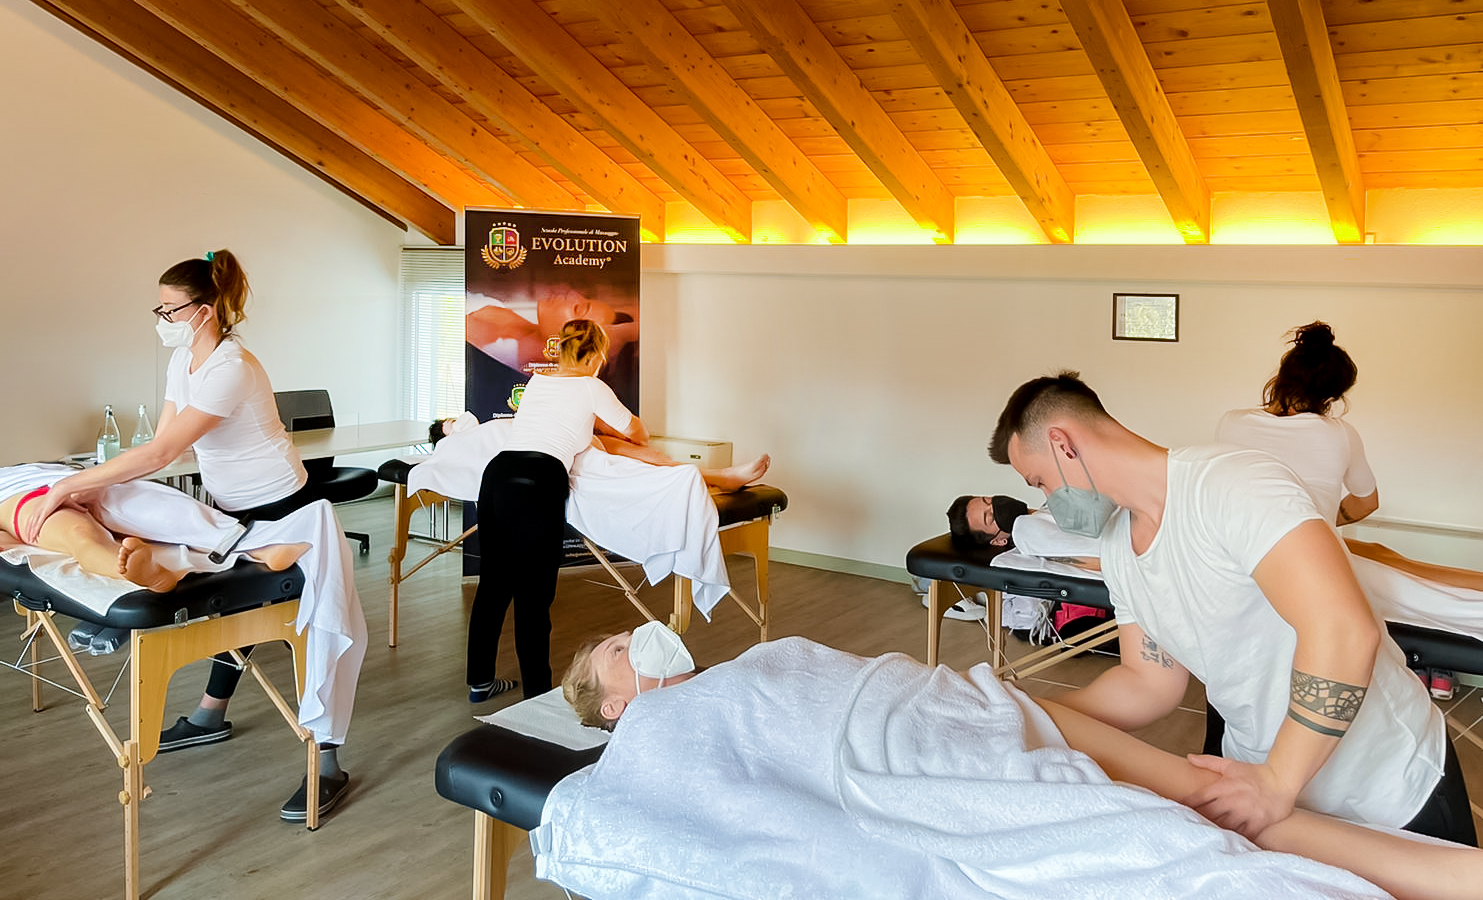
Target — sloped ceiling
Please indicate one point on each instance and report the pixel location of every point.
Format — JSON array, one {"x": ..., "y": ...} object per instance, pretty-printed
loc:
[{"x": 421, "y": 107}]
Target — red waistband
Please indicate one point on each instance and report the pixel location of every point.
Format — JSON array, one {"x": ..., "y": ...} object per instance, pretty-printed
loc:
[{"x": 15, "y": 518}]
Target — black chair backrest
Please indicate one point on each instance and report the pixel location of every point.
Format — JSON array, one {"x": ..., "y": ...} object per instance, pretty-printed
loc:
[
  {"x": 307, "y": 411},
  {"x": 295, "y": 405}
]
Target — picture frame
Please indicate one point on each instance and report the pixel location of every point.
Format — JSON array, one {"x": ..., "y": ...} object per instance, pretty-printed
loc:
[{"x": 1145, "y": 317}]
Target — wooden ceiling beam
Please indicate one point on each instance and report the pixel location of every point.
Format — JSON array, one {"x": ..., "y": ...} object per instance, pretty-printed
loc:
[
  {"x": 366, "y": 69},
  {"x": 1303, "y": 38},
  {"x": 956, "y": 60},
  {"x": 177, "y": 59},
  {"x": 541, "y": 43},
  {"x": 800, "y": 48},
  {"x": 1110, "y": 41},
  {"x": 438, "y": 48},
  {"x": 650, "y": 28},
  {"x": 255, "y": 53}
]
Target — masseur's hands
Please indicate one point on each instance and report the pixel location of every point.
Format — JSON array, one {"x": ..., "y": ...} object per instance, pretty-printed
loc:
[
  {"x": 1247, "y": 798},
  {"x": 35, "y": 513}
]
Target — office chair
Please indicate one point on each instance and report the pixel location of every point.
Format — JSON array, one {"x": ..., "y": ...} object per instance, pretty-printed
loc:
[{"x": 306, "y": 411}]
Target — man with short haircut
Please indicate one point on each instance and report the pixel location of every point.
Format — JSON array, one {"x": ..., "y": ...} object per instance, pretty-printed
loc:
[{"x": 1220, "y": 566}]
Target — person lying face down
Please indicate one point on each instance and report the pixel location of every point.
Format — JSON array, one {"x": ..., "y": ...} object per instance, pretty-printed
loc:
[
  {"x": 984, "y": 521},
  {"x": 78, "y": 533},
  {"x": 603, "y": 681},
  {"x": 729, "y": 478}
]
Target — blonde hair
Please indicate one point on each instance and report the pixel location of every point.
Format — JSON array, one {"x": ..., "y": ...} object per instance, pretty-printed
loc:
[
  {"x": 582, "y": 689},
  {"x": 217, "y": 281},
  {"x": 578, "y": 341}
]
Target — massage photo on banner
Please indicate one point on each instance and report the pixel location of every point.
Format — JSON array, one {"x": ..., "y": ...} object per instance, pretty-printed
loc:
[{"x": 526, "y": 274}]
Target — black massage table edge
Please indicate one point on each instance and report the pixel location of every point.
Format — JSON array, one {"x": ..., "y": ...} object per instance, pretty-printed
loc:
[{"x": 245, "y": 585}]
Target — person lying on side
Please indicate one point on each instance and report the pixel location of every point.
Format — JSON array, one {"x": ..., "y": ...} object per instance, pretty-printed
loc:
[{"x": 608, "y": 674}]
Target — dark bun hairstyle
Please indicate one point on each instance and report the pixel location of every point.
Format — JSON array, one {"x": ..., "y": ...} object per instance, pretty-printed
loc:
[{"x": 1312, "y": 375}]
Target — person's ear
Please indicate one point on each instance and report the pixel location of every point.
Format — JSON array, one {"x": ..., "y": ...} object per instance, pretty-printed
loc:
[
  {"x": 612, "y": 708},
  {"x": 1060, "y": 441}
]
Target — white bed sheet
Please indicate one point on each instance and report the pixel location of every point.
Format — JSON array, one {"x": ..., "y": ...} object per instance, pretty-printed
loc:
[
  {"x": 800, "y": 771},
  {"x": 661, "y": 516}
]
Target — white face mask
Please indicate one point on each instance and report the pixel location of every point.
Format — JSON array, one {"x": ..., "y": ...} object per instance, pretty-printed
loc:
[
  {"x": 656, "y": 652},
  {"x": 176, "y": 334}
]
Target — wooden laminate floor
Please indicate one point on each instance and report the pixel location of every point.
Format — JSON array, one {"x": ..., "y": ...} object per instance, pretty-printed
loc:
[{"x": 211, "y": 827}]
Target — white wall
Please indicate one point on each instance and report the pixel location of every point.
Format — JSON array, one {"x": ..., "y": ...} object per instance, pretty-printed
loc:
[
  {"x": 108, "y": 177},
  {"x": 874, "y": 375}
]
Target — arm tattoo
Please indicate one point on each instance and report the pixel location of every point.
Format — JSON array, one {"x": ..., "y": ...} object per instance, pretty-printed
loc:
[
  {"x": 1321, "y": 729},
  {"x": 1152, "y": 652},
  {"x": 1329, "y": 699}
]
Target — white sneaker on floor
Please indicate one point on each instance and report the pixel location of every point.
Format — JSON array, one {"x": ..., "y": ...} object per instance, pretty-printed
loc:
[{"x": 969, "y": 609}]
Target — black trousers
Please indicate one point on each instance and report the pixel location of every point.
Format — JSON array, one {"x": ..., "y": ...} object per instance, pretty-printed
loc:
[
  {"x": 522, "y": 519},
  {"x": 225, "y": 675},
  {"x": 1447, "y": 814}
]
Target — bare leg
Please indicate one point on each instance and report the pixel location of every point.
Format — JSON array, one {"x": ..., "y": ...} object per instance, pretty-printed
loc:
[
  {"x": 731, "y": 478},
  {"x": 1463, "y": 578},
  {"x": 734, "y": 478},
  {"x": 136, "y": 562},
  {"x": 80, "y": 536},
  {"x": 279, "y": 556},
  {"x": 1408, "y": 869}
]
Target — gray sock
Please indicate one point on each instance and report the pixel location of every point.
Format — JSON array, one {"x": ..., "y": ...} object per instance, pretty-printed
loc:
[
  {"x": 208, "y": 718},
  {"x": 329, "y": 761}
]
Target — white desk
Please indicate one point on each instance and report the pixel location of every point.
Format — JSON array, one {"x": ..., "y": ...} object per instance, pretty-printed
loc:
[{"x": 342, "y": 440}]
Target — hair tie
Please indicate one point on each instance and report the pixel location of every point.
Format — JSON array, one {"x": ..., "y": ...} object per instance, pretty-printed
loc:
[{"x": 210, "y": 255}]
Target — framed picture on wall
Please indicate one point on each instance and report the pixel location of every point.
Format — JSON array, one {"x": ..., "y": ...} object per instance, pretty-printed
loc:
[{"x": 1145, "y": 317}]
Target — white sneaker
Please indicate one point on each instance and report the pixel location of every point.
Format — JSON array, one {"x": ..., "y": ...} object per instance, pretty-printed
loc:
[{"x": 969, "y": 609}]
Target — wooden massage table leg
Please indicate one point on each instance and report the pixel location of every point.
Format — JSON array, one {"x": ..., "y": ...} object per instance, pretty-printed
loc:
[
  {"x": 156, "y": 654},
  {"x": 494, "y": 845},
  {"x": 934, "y": 621},
  {"x": 747, "y": 539},
  {"x": 402, "y": 509}
]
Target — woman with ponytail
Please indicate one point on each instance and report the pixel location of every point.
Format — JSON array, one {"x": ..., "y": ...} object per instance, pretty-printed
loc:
[
  {"x": 522, "y": 507},
  {"x": 219, "y": 403},
  {"x": 1296, "y": 424}
]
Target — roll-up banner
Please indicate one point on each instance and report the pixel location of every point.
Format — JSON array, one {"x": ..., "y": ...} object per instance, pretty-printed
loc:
[{"x": 526, "y": 274}]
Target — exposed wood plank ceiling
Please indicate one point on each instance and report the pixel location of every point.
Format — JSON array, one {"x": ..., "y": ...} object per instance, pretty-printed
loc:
[{"x": 421, "y": 107}]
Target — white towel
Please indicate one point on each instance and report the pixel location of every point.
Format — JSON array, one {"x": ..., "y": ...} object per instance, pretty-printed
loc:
[
  {"x": 800, "y": 771},
  {"x": 1398, "y": 597},
  {"x": 329, "y": 605},
  {"x": 1038, "y": 535},
  {"x": 661, "y": 516}
]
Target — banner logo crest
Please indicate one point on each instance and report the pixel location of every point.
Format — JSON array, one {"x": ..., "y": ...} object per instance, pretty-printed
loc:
[{"x": 503, "y": 250}]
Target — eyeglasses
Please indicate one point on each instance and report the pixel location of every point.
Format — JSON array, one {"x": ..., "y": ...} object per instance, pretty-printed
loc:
[{"x": 165, "y": 314}]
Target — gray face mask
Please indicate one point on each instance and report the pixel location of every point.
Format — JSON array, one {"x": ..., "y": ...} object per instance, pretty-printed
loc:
[{"x": 1078, "y": 510}]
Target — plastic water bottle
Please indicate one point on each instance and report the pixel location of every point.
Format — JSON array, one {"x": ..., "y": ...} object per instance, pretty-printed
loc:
[
  {"x": 108, "y": 439},
  {"x": 143, "y": 432}
]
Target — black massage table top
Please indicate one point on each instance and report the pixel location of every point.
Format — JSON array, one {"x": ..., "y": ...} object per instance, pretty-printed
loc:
[
  {"x": 942, "y": 560},
  {"x": 505, "y": 773},
  {"x": 244, "y": 586},
  {"x": 749, "y": 503}
]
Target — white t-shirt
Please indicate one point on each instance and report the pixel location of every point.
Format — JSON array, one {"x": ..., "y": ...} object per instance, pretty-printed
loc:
[
  {"x": 556, "y": 415},
  {"x": 1192, "y": 592},
  {"x": 1324, "y": 451},
  {"x": 247, "y": 460}
]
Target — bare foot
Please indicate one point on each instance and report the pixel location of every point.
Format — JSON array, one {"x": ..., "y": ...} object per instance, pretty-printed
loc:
[
  {"x": 136, "y": 563},
  {"x": 279, "y": 556},
  {"x": 734, "y": 478}
]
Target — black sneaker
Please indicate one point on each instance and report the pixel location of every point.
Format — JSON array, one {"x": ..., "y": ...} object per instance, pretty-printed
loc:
[
  {"x": 478, "y": 693},
  {"x": 331, "y": 791},
  {"x": 185, "y": 733}
]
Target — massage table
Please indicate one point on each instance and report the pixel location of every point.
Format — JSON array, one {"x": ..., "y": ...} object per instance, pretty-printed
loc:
[
  {"x": 745, "y": 521},
  {"x": 206, "y": 614}
]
